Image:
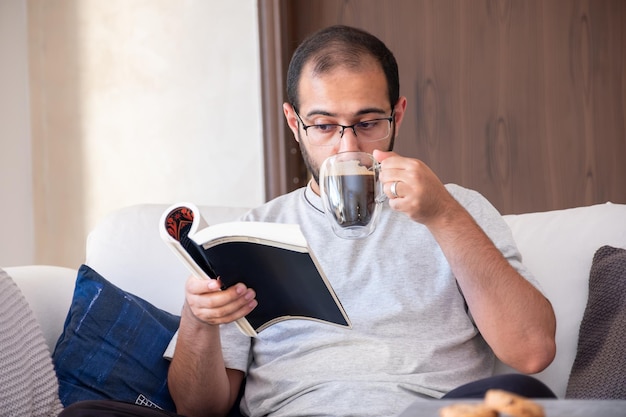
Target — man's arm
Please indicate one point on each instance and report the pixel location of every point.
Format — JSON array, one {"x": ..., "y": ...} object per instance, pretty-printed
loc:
[
  {"x": 198, "y": 380},
  {"x": 515, "y": 319}
]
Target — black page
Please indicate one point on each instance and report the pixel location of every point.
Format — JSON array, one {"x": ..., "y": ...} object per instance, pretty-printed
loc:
[{"x": 287, "y": 283}]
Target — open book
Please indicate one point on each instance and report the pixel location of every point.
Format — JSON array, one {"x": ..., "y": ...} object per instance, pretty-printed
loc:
[{"x": 272, "y": 258}]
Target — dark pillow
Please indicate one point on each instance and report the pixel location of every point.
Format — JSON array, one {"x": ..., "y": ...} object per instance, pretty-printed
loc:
[
  {"x": 599, "y": 370},
  {"x": 112, "y": 346}
]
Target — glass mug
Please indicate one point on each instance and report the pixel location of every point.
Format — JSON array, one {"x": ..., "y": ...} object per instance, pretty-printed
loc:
[{"x": 351, "y": 193}]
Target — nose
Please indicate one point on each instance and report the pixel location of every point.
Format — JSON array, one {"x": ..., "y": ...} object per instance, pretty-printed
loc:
[{"x": 348, "y": 140}]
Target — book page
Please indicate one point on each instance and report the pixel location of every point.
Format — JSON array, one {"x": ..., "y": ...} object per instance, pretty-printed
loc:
[{"x": 279, "y": 233}]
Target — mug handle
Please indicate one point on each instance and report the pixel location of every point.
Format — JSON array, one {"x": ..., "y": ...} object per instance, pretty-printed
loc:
[{"x": 380, "y": 193}]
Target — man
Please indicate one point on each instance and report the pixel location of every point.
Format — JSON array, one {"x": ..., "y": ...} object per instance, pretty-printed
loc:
[
  {"x": 405, "y": 288},
  {"x": 433, "y": 294}
]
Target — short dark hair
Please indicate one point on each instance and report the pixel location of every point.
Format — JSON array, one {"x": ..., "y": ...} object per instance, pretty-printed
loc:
[{"x": 341, "y": 45}]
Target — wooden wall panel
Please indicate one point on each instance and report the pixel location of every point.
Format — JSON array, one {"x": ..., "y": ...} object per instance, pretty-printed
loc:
[{"x": 524, "y": 101}]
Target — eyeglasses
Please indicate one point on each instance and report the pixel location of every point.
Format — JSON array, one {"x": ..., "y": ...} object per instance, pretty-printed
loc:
[{"x": 366, "y": 131}]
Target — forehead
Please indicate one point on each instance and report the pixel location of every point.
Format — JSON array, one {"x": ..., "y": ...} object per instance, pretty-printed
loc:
[{"x": 343, "y": 89}]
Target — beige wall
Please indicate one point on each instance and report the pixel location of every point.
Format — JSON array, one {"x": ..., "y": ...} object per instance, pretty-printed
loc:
[
  {"x": 16, "y": 191},
  {"x": 150, "y": 101}
]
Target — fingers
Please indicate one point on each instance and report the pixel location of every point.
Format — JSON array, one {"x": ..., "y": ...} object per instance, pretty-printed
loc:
[
  {"x": 212, "y": 305},
  {"x": 392, "y": 172},
  {"x": 399, "y": 175},
  {"x": 411, "y": 186}
]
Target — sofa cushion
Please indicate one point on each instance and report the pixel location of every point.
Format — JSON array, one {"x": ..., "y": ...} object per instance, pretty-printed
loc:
[
  {"x": 28, "y": 386},
  {"x": 558, "y": 247},
  {"x": 48, "y": 291},
  {"x": 599, "y": 370},
  {"x": 112, "y": 346}
]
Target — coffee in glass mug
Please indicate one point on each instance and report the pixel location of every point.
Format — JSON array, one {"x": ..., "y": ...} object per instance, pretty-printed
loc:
[{"x": 351, "y": 193}]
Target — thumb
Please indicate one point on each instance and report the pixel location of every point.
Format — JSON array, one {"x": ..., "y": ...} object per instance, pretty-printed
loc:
[
  {"x": 215, "y": 284},
  {"x": 380, "y": 156}
]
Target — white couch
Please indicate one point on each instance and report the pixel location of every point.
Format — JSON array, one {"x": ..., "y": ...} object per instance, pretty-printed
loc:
[{"x": 125, "y": 248}]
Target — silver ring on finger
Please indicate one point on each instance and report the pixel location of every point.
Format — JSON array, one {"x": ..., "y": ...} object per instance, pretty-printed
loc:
[{"x": 394, "y": 189}]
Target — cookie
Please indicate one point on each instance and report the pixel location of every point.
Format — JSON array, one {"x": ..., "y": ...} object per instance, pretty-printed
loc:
[
  {"x": 467, "y": 410},
  {"x": 512, "y": 404}
]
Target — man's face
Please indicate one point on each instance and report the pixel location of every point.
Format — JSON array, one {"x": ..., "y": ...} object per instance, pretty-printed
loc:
[{"x": 343, "y": 96}]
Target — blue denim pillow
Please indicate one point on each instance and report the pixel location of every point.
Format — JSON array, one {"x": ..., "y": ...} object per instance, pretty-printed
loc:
[{"x": 112, "y": 346}]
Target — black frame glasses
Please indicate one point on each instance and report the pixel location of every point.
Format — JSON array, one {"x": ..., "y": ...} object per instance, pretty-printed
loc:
[{"x": 333, "y": 139}]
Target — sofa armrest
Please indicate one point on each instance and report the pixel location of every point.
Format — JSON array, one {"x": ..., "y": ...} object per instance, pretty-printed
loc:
[{"x": 48, "y": 291}]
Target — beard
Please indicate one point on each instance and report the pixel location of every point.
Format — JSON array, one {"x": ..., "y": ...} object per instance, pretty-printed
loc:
[
  {"x": 314, "y": 169},
  {"x": 311, "y": 166}
]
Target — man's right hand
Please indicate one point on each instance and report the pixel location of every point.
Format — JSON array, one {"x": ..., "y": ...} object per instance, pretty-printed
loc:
[
  {"x": 210, "y": 305},
  {"x": 198, "y": 380}
]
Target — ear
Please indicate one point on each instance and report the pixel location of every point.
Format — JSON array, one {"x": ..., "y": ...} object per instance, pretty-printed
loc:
[
  {"x": 292, "y": 119},
  {"x": 399, "y": 110}
]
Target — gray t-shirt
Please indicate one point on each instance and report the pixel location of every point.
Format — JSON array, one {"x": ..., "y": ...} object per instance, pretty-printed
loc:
[{"x": 412, "y": 336}]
